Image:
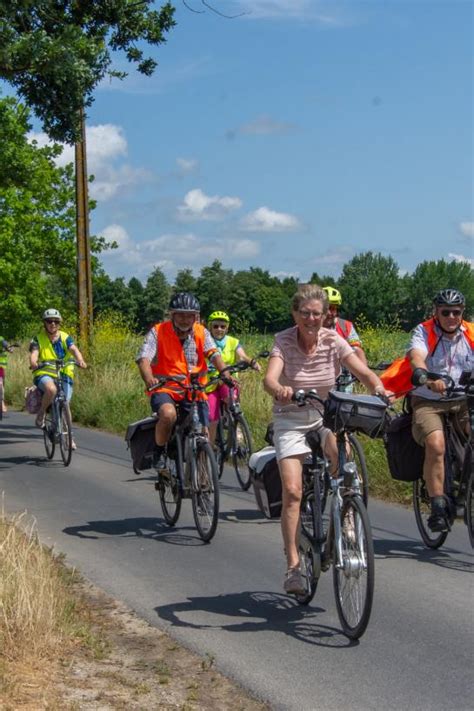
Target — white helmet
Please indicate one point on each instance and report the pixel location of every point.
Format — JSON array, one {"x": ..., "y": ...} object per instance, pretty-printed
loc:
[{"x": 52, "y": 313}]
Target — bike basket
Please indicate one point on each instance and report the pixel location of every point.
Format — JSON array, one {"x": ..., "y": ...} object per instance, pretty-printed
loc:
[
  {"x": 361, "y": 413},
  {"x": 405, "y": 457},
  {"x": 266, "y": 481},
  {"x": 33, "y": 400},
  {"x": 140, "y": 437}
]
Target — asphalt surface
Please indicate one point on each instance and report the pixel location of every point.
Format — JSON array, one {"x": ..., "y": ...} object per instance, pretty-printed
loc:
[{"x": 225, "y": 599}]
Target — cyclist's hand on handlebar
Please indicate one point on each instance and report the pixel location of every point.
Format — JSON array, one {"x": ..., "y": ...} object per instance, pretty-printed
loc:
[
  {"x": 255, "y": 365},
  {"x": 82, "y": 364},
  {"x": 436, "y": 386},
  {"x": 230, "y": 382},
  {"x": 283, "y": 394},
  {"x": 150, "y": 382}
]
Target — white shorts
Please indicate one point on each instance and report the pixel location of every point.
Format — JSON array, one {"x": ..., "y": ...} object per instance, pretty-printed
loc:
[{"x": 290, "y": 430}]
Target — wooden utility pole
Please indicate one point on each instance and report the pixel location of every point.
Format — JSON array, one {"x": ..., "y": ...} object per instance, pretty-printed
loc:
[{"x": 84, "y": 273}]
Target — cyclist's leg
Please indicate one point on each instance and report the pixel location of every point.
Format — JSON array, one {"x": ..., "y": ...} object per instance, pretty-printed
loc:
[
  {"x": 46, "y": 384},
  {"x": 164, "y": 405},
  {"x": 291, "y": 469},
  {"x": 329, "y": 447},
  {"x": 214, "y": 403},
  {"x": 428, "y": 430},
  {"x": 203, "y": 412}
]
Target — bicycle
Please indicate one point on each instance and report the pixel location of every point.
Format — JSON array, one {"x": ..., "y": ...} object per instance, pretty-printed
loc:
[
  {"x": 233, "y": 436},
  {"x": 57, "y": 426},
  {"x": 2, "y": 387},
  {"x": 190, "y": 469},
  {"x": 459, "y": 470},
  {"x": 343, "y": 539}
]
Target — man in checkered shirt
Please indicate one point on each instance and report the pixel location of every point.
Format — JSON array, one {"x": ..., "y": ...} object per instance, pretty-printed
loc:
[{"x": 179, "y": 346}]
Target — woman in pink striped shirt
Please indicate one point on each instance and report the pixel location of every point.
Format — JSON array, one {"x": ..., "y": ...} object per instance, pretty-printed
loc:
[{"x": 305, "y": 356}]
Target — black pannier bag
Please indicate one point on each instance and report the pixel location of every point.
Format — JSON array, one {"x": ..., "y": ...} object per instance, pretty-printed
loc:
[
  {"x": 360, "y": 413},
  {"x": 266, "y": 482},
  {"x": 269, "y": 434},
  {"x": 140, "y": 437},
  {"x": 405, "y": 457}
]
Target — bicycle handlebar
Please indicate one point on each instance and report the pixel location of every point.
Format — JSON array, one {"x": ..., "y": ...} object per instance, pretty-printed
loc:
[
  {"x": 301, "y": 397},
  {"x": 243, "y": 364},
  {"x": 421, "y": 376}
]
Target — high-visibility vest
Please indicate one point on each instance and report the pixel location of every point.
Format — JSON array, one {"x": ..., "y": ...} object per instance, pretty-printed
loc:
[
  {"x": 3, "y": 355},
  {"x": 171, "y": 360},
  {"x": 229, "y": 356},
  {"x": 397, "y": 377},
  {"x": 343, "y": 327},
  {"x": 47, "y": 352}
]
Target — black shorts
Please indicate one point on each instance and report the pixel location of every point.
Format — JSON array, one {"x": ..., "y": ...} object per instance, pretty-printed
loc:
[{"x": 160, "y": 398}]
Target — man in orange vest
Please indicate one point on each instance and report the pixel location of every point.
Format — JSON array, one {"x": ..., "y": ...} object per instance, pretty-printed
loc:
[
  {"x": 178, "y": 346},
  {"x": 444, "y": 344}
]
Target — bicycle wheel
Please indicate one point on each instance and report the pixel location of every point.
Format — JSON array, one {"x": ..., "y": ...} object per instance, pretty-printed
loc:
[
  {"x": 470, "y": 504},
  {"x": 205, "y": 490},
  {"x": 65, "y": 434},
  {"x": 1, "y": 398},
  {"x": 241, "y": 450},
  {"x": 422, "y": 508},
  {"x": 169, "y": 487},
  {"x": 353, "y": 577},
  {"x": 49, "y": 434},
  {"x": 357, "y": 455},
  {"x": 310, "y": 571}
]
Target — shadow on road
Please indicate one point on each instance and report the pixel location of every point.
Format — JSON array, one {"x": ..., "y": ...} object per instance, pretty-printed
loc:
[
  {"x": 142, "y": 527},
  {"x": 408, "y": 548},
  {"x": 255, "y": 612}
]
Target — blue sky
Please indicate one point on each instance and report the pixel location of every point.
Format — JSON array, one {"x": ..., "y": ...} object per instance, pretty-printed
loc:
[{"x": 290, "y": 138}]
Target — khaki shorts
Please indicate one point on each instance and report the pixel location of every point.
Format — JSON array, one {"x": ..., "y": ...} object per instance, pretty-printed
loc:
[
  {"x": 290, "y": 430},
  {"x": 428, "y": 417}
]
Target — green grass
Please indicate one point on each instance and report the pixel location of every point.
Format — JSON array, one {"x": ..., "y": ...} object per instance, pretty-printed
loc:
[{"x": 110, "y": 393}]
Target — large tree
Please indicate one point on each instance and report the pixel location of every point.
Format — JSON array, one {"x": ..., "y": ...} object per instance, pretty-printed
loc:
[
  {"x": 55, "y": 52},
  {"x": 428, "y": 278},
  {"x": 37, "y": 226},
  {"x": 370, "y": 286}
]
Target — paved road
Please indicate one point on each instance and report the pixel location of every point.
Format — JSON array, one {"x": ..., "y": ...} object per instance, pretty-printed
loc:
[{"x": 225, "y": 599}]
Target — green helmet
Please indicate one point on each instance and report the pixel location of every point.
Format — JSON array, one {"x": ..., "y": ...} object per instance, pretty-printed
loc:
[
  {"x": 219, "y": 316},
  {"x": 334, "y": 296}
]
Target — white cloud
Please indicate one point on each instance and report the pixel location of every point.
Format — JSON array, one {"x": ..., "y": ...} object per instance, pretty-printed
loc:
[
  {"x": 261, "y": 126},
  {"x": 461, "y": 258},
  {"x": 309, "y": 10},
  {"x": 199, "y": 206},
  {"x": 106, "y": 145},
  {"x": 334, "y": 257},
  {"x": 170, "y": 252},
  {"x": 186, "y": 165},
  {"x": 265, "y": 220},
  {"x": 467, "y": 229}
]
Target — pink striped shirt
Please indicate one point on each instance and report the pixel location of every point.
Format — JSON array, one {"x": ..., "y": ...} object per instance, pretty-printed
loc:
[{"x": 318, "y": 370}]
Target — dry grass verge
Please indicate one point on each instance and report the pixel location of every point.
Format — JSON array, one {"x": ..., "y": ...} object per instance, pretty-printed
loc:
[{"x": 65, "y": 645}]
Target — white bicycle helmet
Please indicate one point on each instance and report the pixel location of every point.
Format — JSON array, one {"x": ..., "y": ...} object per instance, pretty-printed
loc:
[{"x": 52, "y": 313}]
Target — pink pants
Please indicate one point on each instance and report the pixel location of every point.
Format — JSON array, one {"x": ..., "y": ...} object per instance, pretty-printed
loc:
[{"x": 214, "y": 401}]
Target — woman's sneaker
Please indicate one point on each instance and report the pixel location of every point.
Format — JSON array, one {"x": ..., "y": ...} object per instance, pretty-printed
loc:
[{"x": 293, "y": 583}]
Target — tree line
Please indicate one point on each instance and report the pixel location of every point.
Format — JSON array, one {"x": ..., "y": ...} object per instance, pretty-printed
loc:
[{"x": 38, "y": 262}]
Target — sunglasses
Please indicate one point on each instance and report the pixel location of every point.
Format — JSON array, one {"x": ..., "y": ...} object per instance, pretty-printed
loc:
[
  {"x": 306, "y": 314},
  {"x": 214, "y": 326},
  {"x": 52, "y": 320},
  {"x": 448, "y": 312}
]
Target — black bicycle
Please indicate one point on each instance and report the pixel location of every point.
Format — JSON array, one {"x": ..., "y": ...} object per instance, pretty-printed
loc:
[
  {"x": 458, "y": 465},
  {"x": 343, "y": 538},
  {"x": 233, "y": 436},
  {"x": 57, "y": 428},
  {"x": 2, "y": 385},
  {"x": 190, "y": 468}
]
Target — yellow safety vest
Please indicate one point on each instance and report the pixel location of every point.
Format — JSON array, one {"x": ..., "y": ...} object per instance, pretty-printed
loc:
[{"x": 47, "y": 352}]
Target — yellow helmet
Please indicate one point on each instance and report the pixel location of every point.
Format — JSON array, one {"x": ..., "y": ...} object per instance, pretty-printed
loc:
[
  {"x": 219, "y": 316},
  {"x": 334, "y": 296}
]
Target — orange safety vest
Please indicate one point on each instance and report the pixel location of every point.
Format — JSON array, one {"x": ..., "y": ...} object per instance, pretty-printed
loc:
[
  {"x": 397, "y": 377},
  {"x": 171, "y": 360}
]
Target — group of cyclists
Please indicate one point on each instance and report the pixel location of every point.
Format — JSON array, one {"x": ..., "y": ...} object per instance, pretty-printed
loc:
[{"x": 308, "y": 355}]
